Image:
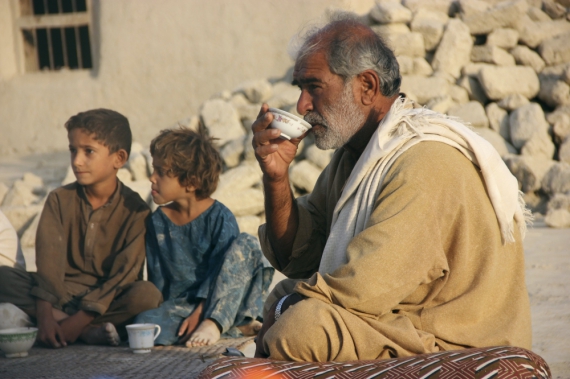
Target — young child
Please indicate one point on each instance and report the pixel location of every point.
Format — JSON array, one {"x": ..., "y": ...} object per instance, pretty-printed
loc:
[
  {"x": 89, "y": 244},
  {"x": 213, "y": 279}
]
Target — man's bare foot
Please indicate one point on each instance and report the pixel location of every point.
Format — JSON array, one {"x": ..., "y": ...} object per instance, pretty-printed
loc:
[
  {"x": 104, "y": 334},
  {"x": 250, "y": 329},
  {"x": 206, "y": 334}
]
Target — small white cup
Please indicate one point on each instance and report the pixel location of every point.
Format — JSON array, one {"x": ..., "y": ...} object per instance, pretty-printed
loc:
[
  {"x": 290, "y": 125},
  {"x": 142, "y": 336}
]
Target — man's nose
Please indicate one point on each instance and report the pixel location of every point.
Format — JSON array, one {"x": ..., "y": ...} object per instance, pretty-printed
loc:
[{"x": 305, "y": 103}]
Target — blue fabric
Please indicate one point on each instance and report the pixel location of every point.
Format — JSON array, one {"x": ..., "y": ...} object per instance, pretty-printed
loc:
[{"x": 204, "y": 259}]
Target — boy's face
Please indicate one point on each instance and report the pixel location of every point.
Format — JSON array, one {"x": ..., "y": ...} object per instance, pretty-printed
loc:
[
  {"x": 165, "y": 187},
  {"x": 90, "y": 160}
]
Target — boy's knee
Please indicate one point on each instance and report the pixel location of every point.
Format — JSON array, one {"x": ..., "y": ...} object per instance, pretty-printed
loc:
[{"x": 143, "y": 296}]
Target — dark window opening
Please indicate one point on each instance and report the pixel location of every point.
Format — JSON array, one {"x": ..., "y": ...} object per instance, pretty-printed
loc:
[{"x": 42, "y": 7}]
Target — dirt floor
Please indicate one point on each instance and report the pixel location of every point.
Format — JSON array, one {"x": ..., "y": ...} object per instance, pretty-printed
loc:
[{"x": 547, "y": 254}]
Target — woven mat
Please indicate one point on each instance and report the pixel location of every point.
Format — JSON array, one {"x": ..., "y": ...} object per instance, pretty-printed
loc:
[{"x": 80, "y": 361}]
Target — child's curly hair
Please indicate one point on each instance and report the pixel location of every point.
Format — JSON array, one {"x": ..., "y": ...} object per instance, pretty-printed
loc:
[{"x": 190, "y": 156}]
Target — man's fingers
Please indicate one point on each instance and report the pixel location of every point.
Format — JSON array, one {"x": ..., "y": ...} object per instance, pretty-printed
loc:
[
  {"x": 265, "y": 137},
  {"x": 264, "y": 108},
  {"x": 262, "y": 122}
]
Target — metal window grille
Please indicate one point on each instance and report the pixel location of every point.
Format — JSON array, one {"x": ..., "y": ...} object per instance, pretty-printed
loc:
[{"x": 55, "y": 34}]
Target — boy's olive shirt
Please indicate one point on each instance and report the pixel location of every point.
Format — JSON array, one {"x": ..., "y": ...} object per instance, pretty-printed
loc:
[{"x": 86, "y": 255}]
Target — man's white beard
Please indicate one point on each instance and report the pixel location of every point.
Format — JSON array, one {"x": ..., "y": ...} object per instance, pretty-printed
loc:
[{"x": 341, "y": 120}]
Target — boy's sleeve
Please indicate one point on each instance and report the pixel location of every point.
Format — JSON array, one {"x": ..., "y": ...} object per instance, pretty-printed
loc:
[
  {"x": 125, "y": 268},
  {"x": 51, "y": 254}
]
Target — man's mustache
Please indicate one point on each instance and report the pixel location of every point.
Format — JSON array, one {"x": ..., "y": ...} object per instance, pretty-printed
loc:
[{"x": 315, "y": 118}]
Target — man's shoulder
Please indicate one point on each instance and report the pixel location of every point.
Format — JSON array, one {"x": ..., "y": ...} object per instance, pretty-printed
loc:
[{"x": 432, "y": 157}]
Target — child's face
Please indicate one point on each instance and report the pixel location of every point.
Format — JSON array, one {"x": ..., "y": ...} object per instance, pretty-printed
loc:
[
  {"x": 90, "y": 160},
  {"x": 165, "y": 187}
]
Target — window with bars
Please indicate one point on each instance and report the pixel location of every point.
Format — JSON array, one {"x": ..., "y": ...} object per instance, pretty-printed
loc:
[{"x": 55, "y": 34}]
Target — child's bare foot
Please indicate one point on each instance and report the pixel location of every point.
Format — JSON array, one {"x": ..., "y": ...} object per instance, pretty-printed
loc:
[
  {"x": 206, "y": 334},
  {"x": 250, "y": 329},
  {"x": 104, "y": 334}
]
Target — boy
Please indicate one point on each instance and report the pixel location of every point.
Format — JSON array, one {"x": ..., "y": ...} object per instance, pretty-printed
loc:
[
  {"x": 89, "y": 245},
  {"x": 213, "y": 279}
]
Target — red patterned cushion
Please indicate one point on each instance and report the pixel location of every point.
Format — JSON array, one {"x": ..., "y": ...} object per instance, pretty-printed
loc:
[{"x": 490, "y": 362}]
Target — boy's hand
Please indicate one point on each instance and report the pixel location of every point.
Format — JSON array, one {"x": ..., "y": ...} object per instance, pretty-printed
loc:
[
  {"x": 49, "y": 331},
  {"x": 189, "y": 325}
]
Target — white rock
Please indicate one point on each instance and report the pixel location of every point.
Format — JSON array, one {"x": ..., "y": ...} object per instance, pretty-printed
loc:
[
  {"x": 423, "y": 89},
  {"x": 222, "y": 120},
  {"x": 533, "y": 33},
  {"x": 410, "y": 44},
  {"x": 498, "y": 120},
  {"x": 555, "y": 50},
  {"x": 445, "y": 76},
  {"x": 564, "y": 151},
  {"x": 558, "y": 218},
  {"x": 256, "y": 91},
  {"x": 422, "y": 67},
  {"x": 512, "y": 102},
  {"x": 505, "y": 38},
  {"x": 138, "y": 166},
  {"x": 492, "y": 54},
  {"x": 430, "y": 29},
  {"x": 232, "y": 151},
  {"x": 454, "y": 50},
  {"x": 406, "y": 64},
  {"x": 458, "y": 94},
  {"x": 390, "y": 12},
  {"x": 553, "y": 9},
  {"x": 524, "y": 122},
  {"x": 34, "y": 182},
  {"x": 425, "y": 14},
  {"x": 245, "y": 109},
  {"x": 304, "y": 175},
  {"x": 249, "y": 224},
  {"x": 500, "y": 82},
  {"x": 473, "y": 6},
  {"x": 561, "y": 127},
  {"x": 69, "y": 177},
  {"x": 142, "y": 187},
  {"x": 557, "y": 179},
  {"x": 124, "y": 175},
  {"x": 473, "y": 69},
  {"x": 20, "y": 194},
  {"x": 539, "y": 146},
  {"x": 3, "y": 191},
  {"x": 441, "y": 104},
  {"x": 223, "y": 95},
  {"x": 529, "y": 171},
  {"x": 387, "y": 31},
  {"x": 29, "y": 234},
  {"x": 471, "y": 112},
  {"x": 239, "y": 178},
  {"x": 284, "y": 94},
  {"x": 448, "y": 7},
  {"x": 192, "y": 123},
  {"x": 553, "y": 92},
  {"x": 536, "y": 14},
  {"x": 246, "y": 202},
  {"x": 318, "y": 157},
  {"x": 473, "y": 87},
  {"x": 503, "y": 147},
  {"x": 526, "y": 57},
  {"x": 21, "y": 216},
  {"x": 505, "y": 14}
]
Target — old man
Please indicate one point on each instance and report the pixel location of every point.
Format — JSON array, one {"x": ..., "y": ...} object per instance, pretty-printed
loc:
[{"x": 410, "y": 242}]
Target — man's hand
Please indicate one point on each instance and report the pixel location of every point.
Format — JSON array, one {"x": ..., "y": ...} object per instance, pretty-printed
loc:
[
  {"x": 73, "y": 325},
  {"x": 274, "y": 154},
  {"x": 49, "y": 331},
  {"x": 291, "y": 300}
]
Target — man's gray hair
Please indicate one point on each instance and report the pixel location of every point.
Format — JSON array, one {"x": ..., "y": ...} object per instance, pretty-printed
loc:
[{"x": 351, "y": 48}]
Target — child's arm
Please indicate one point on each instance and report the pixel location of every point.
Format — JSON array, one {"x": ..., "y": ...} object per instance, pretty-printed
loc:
[
  {"x": 125, "y": 268},
  {"x": 191, "y": 322}
]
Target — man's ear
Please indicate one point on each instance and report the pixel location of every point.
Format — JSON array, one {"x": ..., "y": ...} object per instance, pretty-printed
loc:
[
  {"x": 369, "y": 86},
  {"x": 121, "y": 158}
]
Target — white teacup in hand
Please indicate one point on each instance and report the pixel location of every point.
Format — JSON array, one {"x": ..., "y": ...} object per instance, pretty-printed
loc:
[
  {"x": 290, "y": 125},
  {"x": 142, "y": 336}
]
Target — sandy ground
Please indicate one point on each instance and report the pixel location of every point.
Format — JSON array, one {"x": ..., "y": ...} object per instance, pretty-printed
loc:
[{"x": 547, "y": 254}]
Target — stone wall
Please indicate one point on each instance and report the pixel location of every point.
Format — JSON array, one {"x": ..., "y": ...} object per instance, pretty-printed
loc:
[{"x": 504, "y": 67}]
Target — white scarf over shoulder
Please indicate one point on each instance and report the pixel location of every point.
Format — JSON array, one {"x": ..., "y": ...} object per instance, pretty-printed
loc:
[{"x": 402, "y": 128}]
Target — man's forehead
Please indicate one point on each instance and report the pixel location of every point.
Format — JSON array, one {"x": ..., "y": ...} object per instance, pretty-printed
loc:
[{"x": 311, "y": 68}]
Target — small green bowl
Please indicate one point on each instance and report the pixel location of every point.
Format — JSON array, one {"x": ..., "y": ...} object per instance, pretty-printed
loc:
[{"x": 16, "y": 342}]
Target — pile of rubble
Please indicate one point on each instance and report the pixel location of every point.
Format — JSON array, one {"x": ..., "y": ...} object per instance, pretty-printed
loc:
[{"x": 504, "y": 67}]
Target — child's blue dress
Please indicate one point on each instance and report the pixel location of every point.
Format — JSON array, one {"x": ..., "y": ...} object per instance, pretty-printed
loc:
[{"x": 204, "y": 259}]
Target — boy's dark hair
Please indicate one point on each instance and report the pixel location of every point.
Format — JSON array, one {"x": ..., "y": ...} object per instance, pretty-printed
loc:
[
  {"x": 190, "y": 156},
  {"x": 108, "y": 127}
]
